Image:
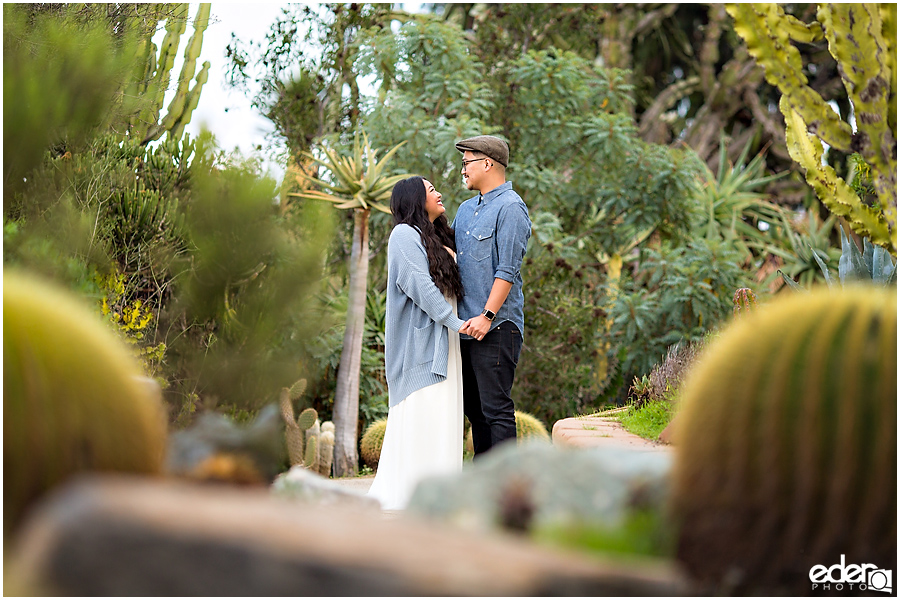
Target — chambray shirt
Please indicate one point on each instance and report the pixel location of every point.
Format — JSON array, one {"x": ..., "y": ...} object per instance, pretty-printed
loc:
[{"x": 492, "y": 232}]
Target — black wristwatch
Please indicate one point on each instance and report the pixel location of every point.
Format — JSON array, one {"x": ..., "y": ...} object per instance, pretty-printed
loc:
[{"x": 489, "y": 314}]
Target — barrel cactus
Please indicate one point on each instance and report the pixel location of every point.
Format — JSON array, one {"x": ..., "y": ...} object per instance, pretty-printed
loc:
[
  {"x": 74, "y": 396},
  {"x": 786, "y": 444},
  {"x": 527, "y": 426},
  {"x": 370, "y": 445}
]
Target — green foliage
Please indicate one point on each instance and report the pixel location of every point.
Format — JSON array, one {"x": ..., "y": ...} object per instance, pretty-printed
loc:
[
  {"x": 59, "y": 80},
  {"x": 555, "y": 377},
  {"x": 649, "y": 419},
  {"x": 862, "y": 42},
  {"x": 249, "y": 277},
  {"x": 74, "y": 399},
  {"x": 808, "y": 384},
  {"x": 677, "y": 293},
  {"x": 325, "y": 354},
  {"x": 732, "y": 204}
]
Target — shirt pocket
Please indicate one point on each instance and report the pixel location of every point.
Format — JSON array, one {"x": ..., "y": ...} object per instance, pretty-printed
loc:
[
  {"x": 421, "y": 335},
  {"x": 482, "y": 242}
]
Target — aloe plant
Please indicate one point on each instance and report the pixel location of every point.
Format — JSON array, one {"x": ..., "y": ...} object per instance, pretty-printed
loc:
[
  {"x": 357, "y": 183},
  {"x": 733, "y": 195}
]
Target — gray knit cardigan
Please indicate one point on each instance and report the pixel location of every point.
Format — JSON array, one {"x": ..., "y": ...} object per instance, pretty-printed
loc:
[{"x": 416, "y": 342}]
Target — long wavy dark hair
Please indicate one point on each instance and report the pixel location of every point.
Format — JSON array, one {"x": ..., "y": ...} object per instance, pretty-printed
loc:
[{"x": 408, "y": 206}]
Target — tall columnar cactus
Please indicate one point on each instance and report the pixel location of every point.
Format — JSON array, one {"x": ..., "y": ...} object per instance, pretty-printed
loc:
[
  {"x": 154, "y": 73},
  {"x": 302, "y": 441},
  {"x": 786, "y": 443},
  {"x": 326, "y": 449},
  {"x": 74, "y": 397},
  {"x": 862, "y": 38}
]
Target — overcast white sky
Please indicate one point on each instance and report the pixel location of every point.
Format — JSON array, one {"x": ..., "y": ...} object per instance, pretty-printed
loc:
[{"x": 225, "y": 112}]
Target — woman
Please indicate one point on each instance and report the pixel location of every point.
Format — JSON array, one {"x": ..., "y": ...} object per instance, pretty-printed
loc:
[{"x": 425, "y": 422}]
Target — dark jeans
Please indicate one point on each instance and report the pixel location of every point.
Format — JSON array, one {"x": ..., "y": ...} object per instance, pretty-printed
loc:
[{"x": 488, "y": 370}]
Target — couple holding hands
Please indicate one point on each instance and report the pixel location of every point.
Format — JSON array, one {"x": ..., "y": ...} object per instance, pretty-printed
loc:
[{"x": 454, "y": 321}]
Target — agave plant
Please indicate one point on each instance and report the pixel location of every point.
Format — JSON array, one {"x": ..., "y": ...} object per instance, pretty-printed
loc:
[
  {"x": 801, "y": 246},
  {"x": 357, "y": 183},
  {"x": 874, "y": 264}
]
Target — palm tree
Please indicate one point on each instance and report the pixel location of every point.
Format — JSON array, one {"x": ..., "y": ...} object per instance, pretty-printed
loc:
[{"x": 357, "y": 184}]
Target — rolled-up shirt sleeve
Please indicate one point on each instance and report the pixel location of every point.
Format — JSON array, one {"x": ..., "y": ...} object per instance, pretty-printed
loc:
[{"x": 513, "y": 231}]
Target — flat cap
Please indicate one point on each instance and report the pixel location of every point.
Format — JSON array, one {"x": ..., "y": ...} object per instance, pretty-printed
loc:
[{"x": 490, "y": 146}]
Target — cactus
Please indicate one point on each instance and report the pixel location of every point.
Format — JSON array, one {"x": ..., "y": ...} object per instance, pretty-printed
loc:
[
  {"x": 302, "y": 443},
  {"x": 154, "y": 72},
  {"x": 787, "y": 443},
  {"x": 370, "y": 444},
  {"x": 744, "y": 301},
  {"x": 74, "y": 397},
  {"x": 527, "y": 427},
  {"x": 326, "y": 449},
  {"x": 862, "y": 39}
]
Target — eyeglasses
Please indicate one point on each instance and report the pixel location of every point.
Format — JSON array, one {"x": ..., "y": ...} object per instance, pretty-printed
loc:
[{"x": 465, "y": 163}]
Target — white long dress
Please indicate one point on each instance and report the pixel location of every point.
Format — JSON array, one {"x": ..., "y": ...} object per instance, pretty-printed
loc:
[{"x": 423, "y": 437}]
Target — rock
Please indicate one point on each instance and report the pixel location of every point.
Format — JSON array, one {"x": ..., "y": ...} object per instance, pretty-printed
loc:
[
  {"x": 302, "y": 484},
  {"x": 564, "y": 486},
  {"x": 665, "y": 435},
  {"x": 119, "y": 536},
  {"x": 257, "y": 448}
]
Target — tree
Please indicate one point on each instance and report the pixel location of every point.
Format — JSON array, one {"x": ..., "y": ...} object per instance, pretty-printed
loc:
[
  {"x": 691, "y": 76},
  {"x": 357, "y": 184}
]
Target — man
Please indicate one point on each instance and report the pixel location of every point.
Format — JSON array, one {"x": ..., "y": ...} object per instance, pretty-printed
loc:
[{"x": 492, "y": 231}]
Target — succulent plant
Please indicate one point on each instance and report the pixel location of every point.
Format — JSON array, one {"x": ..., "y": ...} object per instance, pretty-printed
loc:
[
  {"x": 744, "y": 301},
  {"x": 527, "y": 426},
  {"x": 74, "y": 397},
  {"x": 326, "y": 449},
  {"x": 666, "y": 377},
  {"x": 302, "y": 434},
  {"x": 370, "y": 444},
  {"x": 873, "y": 265},
  {"x": 786, "y": 443}
]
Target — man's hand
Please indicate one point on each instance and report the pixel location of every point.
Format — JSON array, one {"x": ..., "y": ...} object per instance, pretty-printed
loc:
[{"x": 477, "y": 327}]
